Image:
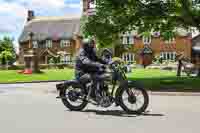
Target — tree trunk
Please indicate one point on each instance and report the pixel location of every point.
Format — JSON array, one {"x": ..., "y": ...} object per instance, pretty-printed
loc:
[
  {"x": 7, "y": 65},
  {"x": 179, "y": 68},
  {"x": 113, "y": 49},
  {"x": 35, "y": 63}
]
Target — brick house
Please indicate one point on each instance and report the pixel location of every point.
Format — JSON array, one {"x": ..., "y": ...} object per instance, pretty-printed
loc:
[
  {"x": 49, "y": 37},
  {"x": 155, "y": 46},
  {"x": 149, "y": 46}
]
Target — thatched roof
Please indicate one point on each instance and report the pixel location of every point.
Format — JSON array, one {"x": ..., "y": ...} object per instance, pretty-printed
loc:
[{"x": 50, "y": 28}]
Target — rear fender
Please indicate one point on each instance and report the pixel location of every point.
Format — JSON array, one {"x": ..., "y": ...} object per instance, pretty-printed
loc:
[{"x": 73, "y": 83}]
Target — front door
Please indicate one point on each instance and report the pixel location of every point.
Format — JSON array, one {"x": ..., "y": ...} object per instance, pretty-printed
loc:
[{"x": 147, "y": 59}]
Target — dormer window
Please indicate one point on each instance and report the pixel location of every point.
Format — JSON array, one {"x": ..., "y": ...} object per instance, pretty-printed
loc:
[
  {"x": 169, "y": 37},
  {"x": 64, "y": 43},
  {"x": 170, "y": 41},
  {"x": 48, "y": 43},
  {"x": 35, "y": 44},
  {"x": 147, "y": 40}
]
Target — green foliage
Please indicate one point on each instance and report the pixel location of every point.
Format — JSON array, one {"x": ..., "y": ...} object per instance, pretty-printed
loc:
[
  {"x": 54, "y": 60},
  {"x": 5, "y": 56},
  {"x": 7, "y": 51},
  {"x": 117, "y": 16},
  {"x": 51, "y": 61}
]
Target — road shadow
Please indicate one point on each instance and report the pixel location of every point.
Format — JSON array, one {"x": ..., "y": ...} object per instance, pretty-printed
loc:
[{"x": 119, "y": 113}]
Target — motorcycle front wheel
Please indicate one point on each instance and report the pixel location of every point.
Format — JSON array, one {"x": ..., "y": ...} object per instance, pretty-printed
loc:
[
  {"x": 73, "y": 98},
  {"x": 134, "y": 100}
]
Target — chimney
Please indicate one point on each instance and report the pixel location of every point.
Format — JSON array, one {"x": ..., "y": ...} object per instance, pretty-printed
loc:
[
  {"x": 31, "y": 15},
  {"x": 85, "y": 5}
]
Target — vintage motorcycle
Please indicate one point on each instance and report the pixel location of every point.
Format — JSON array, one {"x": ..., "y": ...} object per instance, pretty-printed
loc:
[{"x": 114, "y": 88}]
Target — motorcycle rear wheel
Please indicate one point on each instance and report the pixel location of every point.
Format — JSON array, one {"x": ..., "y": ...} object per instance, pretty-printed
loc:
[{"x": 64, "y": 94}]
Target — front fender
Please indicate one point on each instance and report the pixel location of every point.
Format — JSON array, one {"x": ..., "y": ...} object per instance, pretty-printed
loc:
[
  {"x": 128, "y": 84},
  {"x": 132, "y": 83}
]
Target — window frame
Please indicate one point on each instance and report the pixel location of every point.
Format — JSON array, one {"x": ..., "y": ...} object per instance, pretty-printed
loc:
[
  {"x": 49, "y": 43},
  {"x": 168, "y": 56},
  {"x": 128, "y": 57},
  {"x": 147, "y": 40},
  {"x": 66, "y": 59},
  {"x": 128, "y": 39},
  {"x": 170, "y": 41},
  {"x": 35, "y": 44},
  {"x": 65, "y": 43}
]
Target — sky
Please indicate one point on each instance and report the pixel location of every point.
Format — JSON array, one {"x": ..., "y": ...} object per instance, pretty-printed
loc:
[{"x": 13, "y": 13}]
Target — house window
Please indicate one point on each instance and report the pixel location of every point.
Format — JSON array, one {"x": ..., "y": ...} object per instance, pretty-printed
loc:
[
  {"x": 127, "y": 39},
  {"x": 146, "y": 39},
  {"x": 42, "y": 45},
  {"x": 48, "y": 43},
  {"x": 66, "y": 59},
  {"x": 35, "y": 44},
  {"x": 168, "y": 55},
  {"x": 170, "y": 41},
  {"x": 64, "y": 43},
  {"x": 124, "y": 40},
  {"x": 128, "y": 57}
]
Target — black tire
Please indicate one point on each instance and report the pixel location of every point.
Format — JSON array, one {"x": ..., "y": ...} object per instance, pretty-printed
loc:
[
  {"x": 67, "y": 104},
  {"x": 142, "y": 108}
]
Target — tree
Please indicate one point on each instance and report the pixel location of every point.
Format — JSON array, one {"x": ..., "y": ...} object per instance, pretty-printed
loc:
[
  {"x": 117, "y": 16},
  {"x": 5, "y": 56},
  {"x": 7, "y": 51}
]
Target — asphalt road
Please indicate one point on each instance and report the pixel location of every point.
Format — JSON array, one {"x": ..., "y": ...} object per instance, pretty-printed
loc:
[{"x": 33, "y": 108}]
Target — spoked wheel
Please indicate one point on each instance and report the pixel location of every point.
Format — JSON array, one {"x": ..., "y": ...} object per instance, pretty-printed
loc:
[
  {"x": 73, "y": 98},
  {"x": 134, "y": 100}
]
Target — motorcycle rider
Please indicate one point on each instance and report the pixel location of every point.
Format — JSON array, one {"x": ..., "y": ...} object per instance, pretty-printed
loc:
[{"x": 87, "y": 62}]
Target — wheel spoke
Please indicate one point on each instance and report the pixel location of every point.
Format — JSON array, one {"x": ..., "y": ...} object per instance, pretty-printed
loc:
[
  {"x": 132, "y": 105},
  {"x": 139, "y": 101},
  {"x": 125, "y": 98},
  {"x": 139, "y": 98},
  {"x": 136, "y": 105},
  {"x": 137, "y": 93}
]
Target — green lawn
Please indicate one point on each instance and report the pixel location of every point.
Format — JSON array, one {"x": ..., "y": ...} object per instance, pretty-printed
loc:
[
  {"x": 152, "y": 79},
  {"x": 165, "y": 80},
  {"x": 12, "y": 76}
]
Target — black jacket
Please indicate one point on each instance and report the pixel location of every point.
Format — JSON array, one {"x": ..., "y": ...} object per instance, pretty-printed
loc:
[{"x": 87, "y": 62}]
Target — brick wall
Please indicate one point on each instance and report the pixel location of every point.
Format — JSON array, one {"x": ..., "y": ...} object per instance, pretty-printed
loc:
[{"x": 181, "y": 45}]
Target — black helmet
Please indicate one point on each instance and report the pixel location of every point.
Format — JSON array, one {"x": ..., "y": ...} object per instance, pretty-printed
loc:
[{"x": 88, "y": 45}]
